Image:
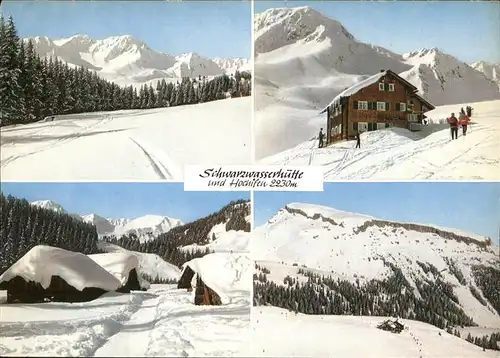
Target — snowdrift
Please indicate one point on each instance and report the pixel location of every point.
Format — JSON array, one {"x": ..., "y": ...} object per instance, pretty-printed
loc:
[
  {"x": 339, "y": 336},
  {"x": 44, "y": 265},
  {"x": 224, "y": 273},
  {"x": 124, "y": 266}
]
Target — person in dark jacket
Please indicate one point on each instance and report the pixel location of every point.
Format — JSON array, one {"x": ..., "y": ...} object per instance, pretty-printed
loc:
[
  {"x": 469, "y": 111},
  {"x": 321, "y": 137},
  {"x": 453, "y": 122},
  {"x": 358, "y": 141}
]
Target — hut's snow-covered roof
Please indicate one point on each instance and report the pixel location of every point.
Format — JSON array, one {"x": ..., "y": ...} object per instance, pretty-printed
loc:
[
  {"x": 78, "y": 270},
  {"x": 119, "y": 264},
  {"x": 224, "y": 273},
  {"x": 354, "y": 89}
]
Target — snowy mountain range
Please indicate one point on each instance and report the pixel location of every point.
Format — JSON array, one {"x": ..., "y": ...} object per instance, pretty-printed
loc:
[
  {"x": 145, "y": 227},
  {"x": 414, "y": 259},
  {"x": 126, "y": 60},
  {"x": 301, "y": 45}
]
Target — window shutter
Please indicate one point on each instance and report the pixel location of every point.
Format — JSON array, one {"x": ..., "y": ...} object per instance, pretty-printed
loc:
[
  {"x": 386, "y": 85},
  {"x": 355, "y": 104},
  {"x": 398, "y": 106},
  {"x": 370, "y": 105},
  {"x": 387, "y": 106}
]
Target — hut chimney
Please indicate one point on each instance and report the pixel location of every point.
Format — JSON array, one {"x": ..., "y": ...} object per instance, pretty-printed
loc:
[{"x": 382, "y": 70}]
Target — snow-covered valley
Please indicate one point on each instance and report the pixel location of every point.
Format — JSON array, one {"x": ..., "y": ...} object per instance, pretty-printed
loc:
[
  {"x": 329, "y": 263},
  {"x": 129, "y": 145},
  {"x": 303, "y": 59}
]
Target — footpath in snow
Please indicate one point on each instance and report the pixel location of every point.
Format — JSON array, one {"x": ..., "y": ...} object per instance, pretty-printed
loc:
[{"x": 161, "y": 322}]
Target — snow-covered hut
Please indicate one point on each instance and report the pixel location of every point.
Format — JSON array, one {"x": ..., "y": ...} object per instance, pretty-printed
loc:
[
  {"x": 125, "y": 267},
  {"x": 215, "y": 277},
  {"x": 48, "y": 273}
]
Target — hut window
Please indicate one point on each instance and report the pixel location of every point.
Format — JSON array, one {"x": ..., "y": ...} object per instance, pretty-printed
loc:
[
  {"x": 402, "y": 107},
  {"x": 363, "y": 105},
  {"x": 391, "y": 87},
  {"x": 381, "y": 86},
  {"x": 380, "y": 106}
]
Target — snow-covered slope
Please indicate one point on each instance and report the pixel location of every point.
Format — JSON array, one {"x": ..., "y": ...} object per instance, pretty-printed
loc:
[
  {"x": 304, "y": 59},
  {"x": 78, "y": 270},
  {"x": 357, "y": 247},
  {"x": 147, "y": 144},
  {"x": 222, "y": 240},
  {"x": 126, "y": 60},
  {"x": 227, "y": 274},
  {"x": 145, "y": 227},
  {"x": 490, "y": 70},
  {"x": 398, "y": 154},
  {"x": 272, "y": 328}
]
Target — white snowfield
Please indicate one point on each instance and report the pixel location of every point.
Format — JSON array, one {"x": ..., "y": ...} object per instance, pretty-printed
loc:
[
  {"x": 161, "y": 322},
  {"x": 126, "y": 60},
  {"x": 78, "y": 270},
  {"x": 351, "y": 337},
  {"x": 129, "y": 145},
  {"x": 329, "y": 243},
  {"x": 304, "y": 59},
  {"x": 398, "y": 154},
  {"x": 149, "y": 264},
  {"x": 229, "y": 275}
]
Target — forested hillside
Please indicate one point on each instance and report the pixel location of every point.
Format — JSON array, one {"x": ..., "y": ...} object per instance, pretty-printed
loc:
[
  {"x": 170, "y": 244},
  {"x": 25, "y": 226}
]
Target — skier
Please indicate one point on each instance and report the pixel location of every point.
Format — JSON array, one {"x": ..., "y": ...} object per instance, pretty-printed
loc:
[
  {"x": 463, "y": 121},
  {"x": 453, "y": 122},
  {"x": 321, "y": 135},
  {"x": 358, "y": 141}
]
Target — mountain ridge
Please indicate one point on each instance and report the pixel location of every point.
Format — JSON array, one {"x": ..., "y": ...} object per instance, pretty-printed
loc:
[
  {"x": 126, "y": 60},
  {"x": 145, "y": 227},
  {"x": 301, "y": 240},
  {"x": 326, "y": 48}
]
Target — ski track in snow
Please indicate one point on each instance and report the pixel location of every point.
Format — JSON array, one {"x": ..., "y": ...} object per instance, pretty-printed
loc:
[
  {"x": 161, "y": 322},
  {"x": 156, "y": 164}
]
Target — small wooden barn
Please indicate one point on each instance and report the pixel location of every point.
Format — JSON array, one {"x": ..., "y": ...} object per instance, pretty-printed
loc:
[
  {"x": 203, "y": 295},
  {"x": 380, "y": 101},
  {"x": 47, "y": 274},
  {"x": 21, "y": 291}
]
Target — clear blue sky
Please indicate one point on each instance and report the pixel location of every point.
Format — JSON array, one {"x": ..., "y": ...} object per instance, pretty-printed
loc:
[
  {"x": 213, "y": 29},
  {"x": 473, "y": 207},
  {"x": 467, "y": 30},
  {"x": 126, "y": 200}
]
